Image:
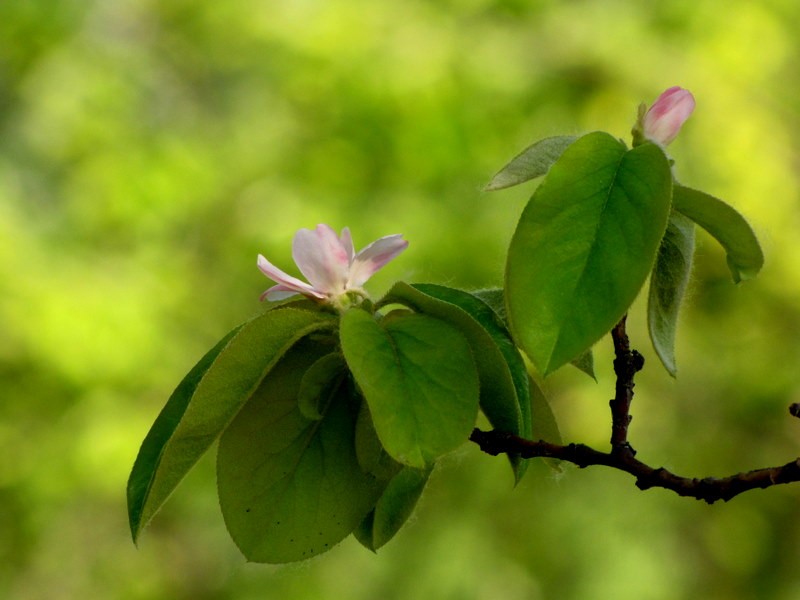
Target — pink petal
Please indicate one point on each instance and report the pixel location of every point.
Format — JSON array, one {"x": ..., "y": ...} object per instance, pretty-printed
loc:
[
  {"x": 285, "y": 281},
  {"x": 322, "y": 258},
  {"x": 373, "y": 257},
  {"x": 669, "y": 112}
]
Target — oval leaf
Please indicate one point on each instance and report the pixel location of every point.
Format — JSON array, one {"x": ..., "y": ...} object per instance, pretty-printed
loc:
[
  {"x": 531, "y": 163},
  {"x": 668, "y": 285},
  {"x": 419, "y": 379},
  {"x": 584, "y": 246},
  {"x": 206, "y": 401},
  {"x": 730, "y": 229},
  {"x": 290, "y": 487},
  {"x": 504, "y": 395}
]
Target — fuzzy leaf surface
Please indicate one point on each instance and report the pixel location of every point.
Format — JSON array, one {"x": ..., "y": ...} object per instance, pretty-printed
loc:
[
  {"x": 668, "y": 285},
  {"x": 531, "y": 163}
]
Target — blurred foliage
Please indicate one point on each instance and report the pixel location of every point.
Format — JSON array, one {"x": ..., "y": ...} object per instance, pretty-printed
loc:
[{"x": 149, "y": 150}]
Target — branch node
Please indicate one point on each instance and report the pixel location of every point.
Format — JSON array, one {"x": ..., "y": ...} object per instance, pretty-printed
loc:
[{"x": 794, "y": 409}]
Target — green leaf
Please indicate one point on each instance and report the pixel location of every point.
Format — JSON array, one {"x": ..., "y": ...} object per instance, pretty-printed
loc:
[
  {"x": 290, "y": 487},
  {"x": 667, "y": 287},
  {"x": 531, "y": 163},
  {"x": 545, "y": 426},
  {"x": 372, "y": 458},
  {"x": 496, "y": 299},
  {"x": 584, "y": 246},
  {"x": 504, "y": 395},
  {"x": 419, "y": 378},
  {"x": 393, "y": 509},
  {"x": 206, "y": 401},
  {"x": 745, "y": 258},
  {"x": 321, "y": 379}
]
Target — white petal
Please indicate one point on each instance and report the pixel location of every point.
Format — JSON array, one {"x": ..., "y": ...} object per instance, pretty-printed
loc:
[
  {"x": 322, "y": 258},
  {"x": 373, "y": 257},
  {"x": 347, "y": 243},
  {"x": 285, "y": 281}
]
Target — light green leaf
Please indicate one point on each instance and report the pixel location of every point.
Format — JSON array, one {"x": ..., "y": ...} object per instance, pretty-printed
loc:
[
  {"x": 730, "y": 229},
  {"x": 584, "y": 246},
  {"x": 504, "y": 395},
  {"x": 206, "y": 401},
  {"x": 419, "y": 378},
  {"x": 531, "y": 163},
  {"x": 545, "y": 426},
  {"x": 667, "y": 287},
  {"x": 290, "y": 487},
  {"x": 393, "y": 509}
]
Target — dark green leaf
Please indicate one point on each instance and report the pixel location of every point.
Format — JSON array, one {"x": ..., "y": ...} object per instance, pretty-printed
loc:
[
  {"x": 745, "y": 258},
  {"x": 531, "y": 163},
  {"x": 319, "y": 381},
  {"x": 668, "y": 285},
  {"x": 372, "y": 458},
  {"x": 419, "y": 378},
  {"x": 290, "y": 487},
  {"x": 584, "y": 246},
  {"x": 206, "y": 401},
  {"x": 393, "y": 509}
]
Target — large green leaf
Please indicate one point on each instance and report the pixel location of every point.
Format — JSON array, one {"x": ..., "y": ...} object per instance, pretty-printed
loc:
[
  {"x": 420, "y": 381},
  {"x": 584, "y": 246},
  {"x": 668, "y": 285},
  {"x": 393, "y": 508},
  {"x": 531, "y": 163},
  {"x": 291, "y": 487},
  {"x": 504, "y": 394},
  {"x": 745, "y": 258},
  {"x": 206, "y": 401}
]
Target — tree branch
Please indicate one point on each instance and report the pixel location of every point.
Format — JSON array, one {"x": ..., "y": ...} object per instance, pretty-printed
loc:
[{"x": 622, "y": 456}]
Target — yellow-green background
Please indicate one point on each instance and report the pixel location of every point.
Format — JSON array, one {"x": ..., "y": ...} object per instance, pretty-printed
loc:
[{"x": 149, "y": 149}]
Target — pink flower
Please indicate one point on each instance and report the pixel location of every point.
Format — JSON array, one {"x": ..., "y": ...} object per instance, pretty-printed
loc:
[
  {"x": 664, "y": 119},
  {"x": 330, "y": 264}
]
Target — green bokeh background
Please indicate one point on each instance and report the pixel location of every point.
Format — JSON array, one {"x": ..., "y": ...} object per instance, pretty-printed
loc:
[{"x": 149, "y": 150}]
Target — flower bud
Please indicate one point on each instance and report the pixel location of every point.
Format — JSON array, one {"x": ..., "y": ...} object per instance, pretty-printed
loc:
[{"x": 664, "y": 119}]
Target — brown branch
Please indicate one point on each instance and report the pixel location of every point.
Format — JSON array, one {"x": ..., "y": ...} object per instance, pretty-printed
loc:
[
  {"x": 709, "y": 489},
  {"x": 627, "y": 363}
]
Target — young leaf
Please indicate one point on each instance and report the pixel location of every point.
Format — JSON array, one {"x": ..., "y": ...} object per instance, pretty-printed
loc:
[
  {"x": 745, "y": 258},
  {"x": 393, "y": 508},
  {"x": 667, "y": 286},
  {"x": 289, "y": 487},
  {"x": 584, "y": 246},
  {"x": 545, "y": 426},
  {"x": 206, "y": 401},
  {"x": 419, "y": 379},
  {"x": 531, "y": 163},
  {"x": 504, "y": 395},
  {"x": 318, "y": 382}
]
